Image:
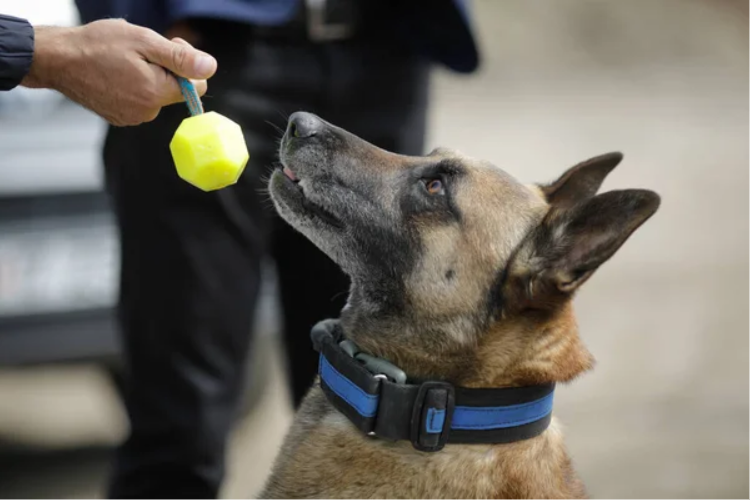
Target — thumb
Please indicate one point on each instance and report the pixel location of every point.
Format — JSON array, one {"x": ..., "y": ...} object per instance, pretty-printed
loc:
[{"x": 179, "y": 57}]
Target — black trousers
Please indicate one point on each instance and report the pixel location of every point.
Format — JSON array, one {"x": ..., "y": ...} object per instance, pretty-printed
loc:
[{"x": 191, "y": 260}]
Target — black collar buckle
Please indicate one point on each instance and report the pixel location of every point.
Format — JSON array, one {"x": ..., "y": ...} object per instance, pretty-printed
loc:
[{"x": 431, "y": 416}]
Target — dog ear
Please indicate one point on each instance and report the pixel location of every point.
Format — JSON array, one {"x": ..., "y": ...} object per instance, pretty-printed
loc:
[
  {"x": 571, "y": 243},
  {"x": 581, "y": 181}
]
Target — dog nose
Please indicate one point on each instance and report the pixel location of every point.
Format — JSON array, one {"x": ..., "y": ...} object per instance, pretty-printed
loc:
[{"x": 302, "y": 125}]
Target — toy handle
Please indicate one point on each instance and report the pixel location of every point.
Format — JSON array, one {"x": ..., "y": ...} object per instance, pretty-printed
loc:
[{"x": 192, "y": 99}]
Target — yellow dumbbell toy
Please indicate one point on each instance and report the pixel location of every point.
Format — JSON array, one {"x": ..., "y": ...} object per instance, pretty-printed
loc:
[{"x": 208, "y": 149}]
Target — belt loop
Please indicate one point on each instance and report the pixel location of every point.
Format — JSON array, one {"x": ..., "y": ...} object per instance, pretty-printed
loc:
[{"x": 431, "y": 416}]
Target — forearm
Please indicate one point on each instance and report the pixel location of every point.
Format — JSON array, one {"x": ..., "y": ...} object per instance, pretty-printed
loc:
[{"x": 16, "y": 50}]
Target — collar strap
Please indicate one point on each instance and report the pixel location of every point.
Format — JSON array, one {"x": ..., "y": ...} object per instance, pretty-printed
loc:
[{"x": 375, "y": 396}]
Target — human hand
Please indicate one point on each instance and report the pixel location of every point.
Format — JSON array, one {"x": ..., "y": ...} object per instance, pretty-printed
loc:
[{"x": 118, "y": 70}]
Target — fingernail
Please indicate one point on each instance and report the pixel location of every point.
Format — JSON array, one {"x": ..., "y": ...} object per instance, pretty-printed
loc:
[{"x": 204, "y": 66}]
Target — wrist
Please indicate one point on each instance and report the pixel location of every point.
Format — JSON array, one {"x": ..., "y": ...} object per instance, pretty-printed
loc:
[{"x": 51, "y": 54}]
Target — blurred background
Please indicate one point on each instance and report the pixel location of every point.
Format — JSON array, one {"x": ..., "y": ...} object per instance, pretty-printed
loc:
[{"x": 666, "y": 411}]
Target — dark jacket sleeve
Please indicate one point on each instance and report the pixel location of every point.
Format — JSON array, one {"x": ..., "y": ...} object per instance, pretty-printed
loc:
[{"x": 16, "y": 50}]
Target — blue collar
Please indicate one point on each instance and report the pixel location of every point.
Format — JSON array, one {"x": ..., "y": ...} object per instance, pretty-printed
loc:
[{"x": 376, "y": 397}]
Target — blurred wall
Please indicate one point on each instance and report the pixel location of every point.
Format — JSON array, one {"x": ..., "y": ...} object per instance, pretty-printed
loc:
[
  {"x": 42, "y": 12},
  {"x": 665, "y": 412}
]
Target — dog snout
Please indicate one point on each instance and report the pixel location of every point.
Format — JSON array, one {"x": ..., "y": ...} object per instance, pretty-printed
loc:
[{"x": 304, "y": 125}]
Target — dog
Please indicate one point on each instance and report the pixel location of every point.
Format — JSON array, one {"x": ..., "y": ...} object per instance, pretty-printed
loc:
[{"x": 460, "y": 275}]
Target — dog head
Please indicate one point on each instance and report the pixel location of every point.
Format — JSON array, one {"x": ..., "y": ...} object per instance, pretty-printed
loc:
[{"x": 458, "y": 270}]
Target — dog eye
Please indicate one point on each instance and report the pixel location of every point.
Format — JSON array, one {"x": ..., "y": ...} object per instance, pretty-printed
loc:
[{"x": 434, "y": 186}]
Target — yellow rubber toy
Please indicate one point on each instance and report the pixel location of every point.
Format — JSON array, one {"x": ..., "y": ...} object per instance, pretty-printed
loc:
[{"x": 209, "y": 149}]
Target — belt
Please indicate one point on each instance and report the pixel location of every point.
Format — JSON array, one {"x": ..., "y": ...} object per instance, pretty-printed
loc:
[
  {"x": 318, "y": 21},
  {"x": 315, "y": 21}
]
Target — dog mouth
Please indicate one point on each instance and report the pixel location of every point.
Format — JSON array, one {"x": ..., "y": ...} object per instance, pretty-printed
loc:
[
  {"x": 298, "y": 193},
  {"x": 290, "y": 175}
]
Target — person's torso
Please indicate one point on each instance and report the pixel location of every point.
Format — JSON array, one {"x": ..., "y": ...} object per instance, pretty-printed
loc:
[{"x": 438, "y": 29}]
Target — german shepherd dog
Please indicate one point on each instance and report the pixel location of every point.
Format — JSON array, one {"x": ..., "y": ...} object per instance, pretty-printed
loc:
[{"x": 459, "y": 273}]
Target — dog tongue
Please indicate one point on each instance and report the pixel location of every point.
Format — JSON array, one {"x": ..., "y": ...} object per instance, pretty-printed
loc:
[{"x": 290, "y": 174}]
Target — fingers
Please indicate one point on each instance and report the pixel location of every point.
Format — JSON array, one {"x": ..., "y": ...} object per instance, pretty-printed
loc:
[
  {"x": 167, "y": 58},
  {"x": 201, "y": 85},
  {"x": 179, "y": 57},
  {"x": 180, "y": 41},
  {"x": 167, "y": 88}
]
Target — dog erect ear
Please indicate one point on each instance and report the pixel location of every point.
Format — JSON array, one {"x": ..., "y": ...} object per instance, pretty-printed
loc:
[
  {"x": 571, "y": 243},
  {"x": 581, "y": 181}
]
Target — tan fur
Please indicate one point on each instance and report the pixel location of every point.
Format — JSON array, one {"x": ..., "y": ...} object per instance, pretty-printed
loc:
[
  {"x": 491, "y": 203},
  {"x": 335, "y": 461},
  {"x": 526, "y": 247},
  {"x": 526, "y": 352}
]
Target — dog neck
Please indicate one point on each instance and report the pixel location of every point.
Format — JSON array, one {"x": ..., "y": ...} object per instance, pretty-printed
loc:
[
  {"x": 538, "y": 467},
  {"x": 523, "y": 350},
  {"x": 532, "y": 350}
]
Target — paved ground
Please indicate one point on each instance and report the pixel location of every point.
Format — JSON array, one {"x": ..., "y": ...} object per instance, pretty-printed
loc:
[{"x": 666, "y": 412}]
